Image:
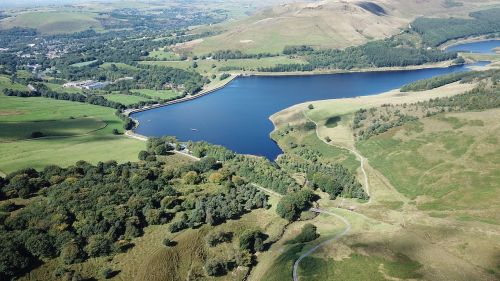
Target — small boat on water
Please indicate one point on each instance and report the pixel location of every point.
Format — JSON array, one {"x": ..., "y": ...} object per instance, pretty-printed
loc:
[{"x": 194, "y": 130}]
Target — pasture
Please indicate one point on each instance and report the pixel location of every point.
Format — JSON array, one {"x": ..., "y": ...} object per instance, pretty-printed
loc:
[
  {"x": 74, "y": 131},
  {"x": 125, "y": 99}
]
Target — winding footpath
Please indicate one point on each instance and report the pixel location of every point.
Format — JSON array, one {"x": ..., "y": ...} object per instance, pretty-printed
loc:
[
  {"x": 313, "y": 249},
  {"x": 347, "y": 228},
  {"x": 362, "y": 160},
  {"x": 344, "y": 220}
]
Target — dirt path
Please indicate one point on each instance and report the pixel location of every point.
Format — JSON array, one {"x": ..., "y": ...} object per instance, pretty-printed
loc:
[
  {"x": 361, "y": 159},
  {"x": 313, "y": 249}
]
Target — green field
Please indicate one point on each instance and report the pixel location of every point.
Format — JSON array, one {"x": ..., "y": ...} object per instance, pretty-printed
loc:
[
  {"x": 119, "y": 65},
  {"x": 60, "y": 89},
  {"x": 358, "y": 267},
  {"x": 54, "y": 22},
  {"x": 84, "y": 132},
  {"x": 161, "y": 94},
  {"x": 207, "y": 66},
  {"x": 5, "y": 83},
  {"x": 446, "y": 163},
  {"x": 163, "y": 55},
  {"x": 125, "y": 99}
]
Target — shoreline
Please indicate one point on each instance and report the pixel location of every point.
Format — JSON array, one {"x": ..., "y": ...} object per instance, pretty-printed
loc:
[
  {"x": 465, "y": 40},
  {"x": 202, "y": 93},
  {"x": 443, "y": 64}
]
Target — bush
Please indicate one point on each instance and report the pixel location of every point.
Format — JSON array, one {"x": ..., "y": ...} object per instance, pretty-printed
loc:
[
  {"x": 168, "y": 243},
  {"x": 216, "y": 177},
  {"x": 116, "y": 132},
  {"x": 191, "y": 177},
  {"x": 215, "y": 267},
  {"x": 107, "y": 273},
  {"x": 215, "y": 238},
  {"x": 35, "y": 135},
  {"x": 177, "y": 226},
  {"x": 307, "y": 234},
  {"x": 244, "y": 258}
]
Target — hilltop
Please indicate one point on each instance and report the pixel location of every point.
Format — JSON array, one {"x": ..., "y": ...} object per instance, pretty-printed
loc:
[{"x": 329, "y": 23}]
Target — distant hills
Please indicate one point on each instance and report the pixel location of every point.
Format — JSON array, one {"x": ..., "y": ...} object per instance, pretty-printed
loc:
[{"x": 329, "y": 23}]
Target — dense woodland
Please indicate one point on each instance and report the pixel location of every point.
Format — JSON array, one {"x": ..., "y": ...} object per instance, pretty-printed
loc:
[
  {"x": 87, "y": 211},
  {"x": 436, "y": 31},
  {"x": 381, "y": 53}
]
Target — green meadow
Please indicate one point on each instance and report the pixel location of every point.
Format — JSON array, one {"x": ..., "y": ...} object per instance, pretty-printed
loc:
[
  {"x": 125, "y": 99},
  {"x": 73, "y": 131},
  {"x": 446, "y": 163}
]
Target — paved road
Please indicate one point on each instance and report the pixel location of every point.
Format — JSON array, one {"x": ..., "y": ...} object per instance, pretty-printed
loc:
[{"x": 313, "y": 249}]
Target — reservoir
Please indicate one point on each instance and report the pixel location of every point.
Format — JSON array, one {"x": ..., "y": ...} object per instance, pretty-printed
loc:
[
  {"x": 482, "y": 47},
  {"x": 237, "y": 116}
]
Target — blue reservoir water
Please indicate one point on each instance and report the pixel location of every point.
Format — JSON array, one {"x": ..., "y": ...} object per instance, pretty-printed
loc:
[
  {"x": 237, "y": 115},
  {"x": 483, "y": 47}
]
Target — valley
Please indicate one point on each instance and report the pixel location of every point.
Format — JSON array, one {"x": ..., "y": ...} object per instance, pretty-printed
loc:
[{"x": 250, "y": 140}]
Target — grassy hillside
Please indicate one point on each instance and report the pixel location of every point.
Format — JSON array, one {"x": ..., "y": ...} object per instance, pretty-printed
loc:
[
  {"x": 54, "y": 22},
  {"x": 447, "y": 162},
  {"x": 331, "y": 23}
]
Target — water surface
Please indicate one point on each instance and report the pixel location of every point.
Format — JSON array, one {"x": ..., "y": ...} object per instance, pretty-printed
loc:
[
  {"x": 483, "y": 47},
  {"x": 237, "y": 115}
]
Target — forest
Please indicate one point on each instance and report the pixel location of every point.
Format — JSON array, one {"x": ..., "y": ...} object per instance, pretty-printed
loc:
[
  {"x": 436, "y": 31},
  {"x": 381, "y": 53},
  {"x": 86, "y": 210},
  {"x": 438, "y": 81}
]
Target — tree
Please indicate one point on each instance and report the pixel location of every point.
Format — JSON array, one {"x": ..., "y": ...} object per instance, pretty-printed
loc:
[
  {"x": 191, "y": 177},
  {"x": 99, "y": 245},
  {"x": 163, "y": 149},
  {"x": 40, "y": 245},
  {"x": 216, "y": 177},
  {"x": 291, "y": 205},
  {"x": 143, "y": 155},
  {"x": 310, "y": 106},
  {"x": 13, "y": 259},
  {"x": 108, "y": 273},
  {"x": 72, "y": 253},
  {"x": 252, "y": 240}
]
